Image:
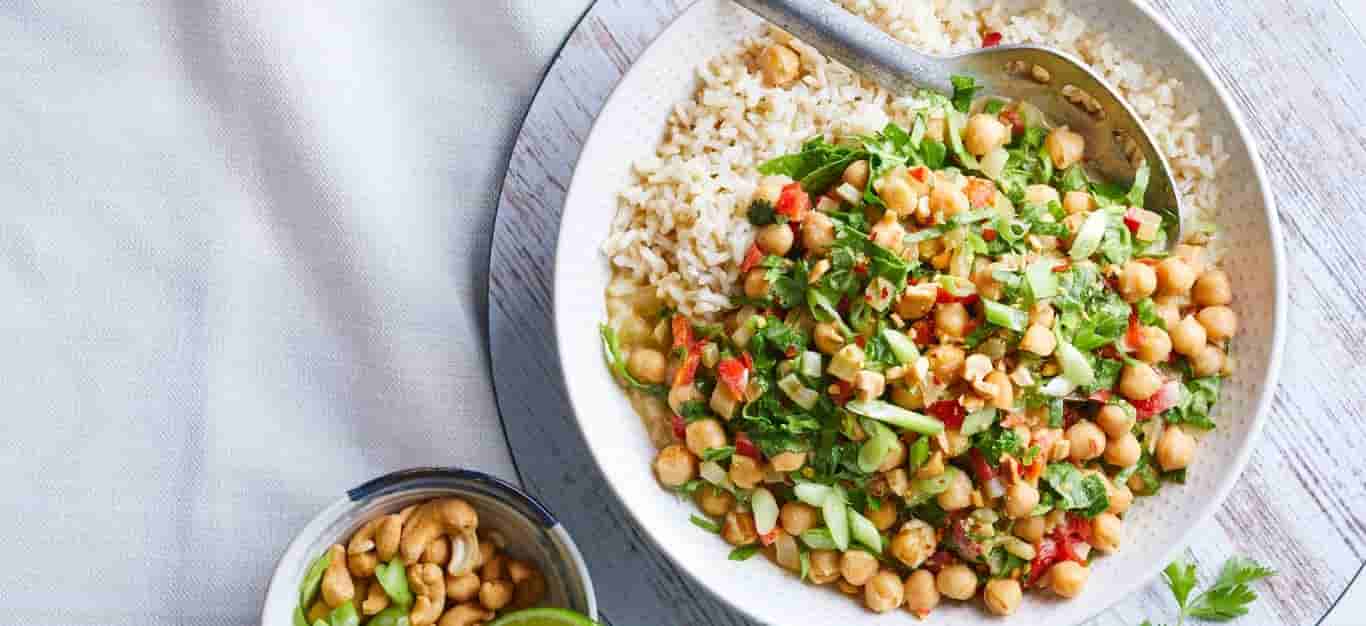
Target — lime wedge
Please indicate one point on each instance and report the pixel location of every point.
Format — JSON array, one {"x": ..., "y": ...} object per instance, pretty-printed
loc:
[{"x": 544, "y": 617}]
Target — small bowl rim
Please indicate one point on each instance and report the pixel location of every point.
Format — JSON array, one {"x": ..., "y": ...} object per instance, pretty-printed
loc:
[{"x": 416, "y": 477}]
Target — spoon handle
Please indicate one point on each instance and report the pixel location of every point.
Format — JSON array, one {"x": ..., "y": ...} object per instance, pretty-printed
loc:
[{"x": 850, "y": 40}]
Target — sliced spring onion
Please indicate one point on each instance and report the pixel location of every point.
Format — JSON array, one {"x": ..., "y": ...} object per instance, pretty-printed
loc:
[
  {"x": 765, "y": 508},
  {"x": 1058, "y": 387},
  {"x": 836, "y": 514},
  {"x": 902, "y": 347},
  {"x": 818, "y": 539},
  {"x": 978, "y": 421},
  {"x": 994, "y": 163},
  {"x": 957, "y": 120},
  {"x": 1140, "y": 186},
  {"x": 957, "y": 287},
  {"x": 800, "y": 394},
  {"x": 1089, "y": 236},
  {"x": 811, "y": 364},
  {"x": 1075, "y": 367},
  {"x": 1005, "y": 316},
  {"x": 879, "y": 293},
  {"x": 881, "y": 442},
  {"x": 849, "y": 193},
  {"x": 896, "y": 416},
  {"x": 864, "y": 531},
  {"x": 813, "y": 494},
  {"x": 1043, "y": 283},
  {"x": 922, "y": 489}
]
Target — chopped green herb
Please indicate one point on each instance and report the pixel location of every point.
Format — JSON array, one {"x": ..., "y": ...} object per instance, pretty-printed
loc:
[{"x": 705, "y": 524}]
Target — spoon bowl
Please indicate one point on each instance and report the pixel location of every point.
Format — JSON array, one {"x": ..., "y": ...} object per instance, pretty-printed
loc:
[{"x": 1058, "y": 84}]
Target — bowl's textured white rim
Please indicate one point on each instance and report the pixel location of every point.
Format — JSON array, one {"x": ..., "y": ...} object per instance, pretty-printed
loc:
[{"x": 1269, "y": 382}]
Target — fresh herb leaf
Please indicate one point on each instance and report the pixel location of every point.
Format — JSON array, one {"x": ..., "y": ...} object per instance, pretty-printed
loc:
[
  {"x": 743, "y": 553},
  {"x": 1180, "y": 577},
  {"x": 718, "y": 454},
  {"x": 1225, "y": 600},
  {"x": 1148, "y": 315},
  {"x": 693, "y": 410},
  {"x": 996, "y": 442},
  {"x": 761, "y": 213},
  {"x": 1083, "y": 494},
  {"x": 705, "y": 524},
  {"x": 933, "y": 152},
  {"x": 964, "y": 88}
]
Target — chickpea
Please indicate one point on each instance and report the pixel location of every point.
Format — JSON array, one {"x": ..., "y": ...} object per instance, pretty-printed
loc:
[
  {"x": 1174, "y": 277},
  {"x": 745, "y": 472},
  {"x": 1175, "y": 449},
  {"x": 1067, "y": 578},
  {"x": 779, "y": 65},
  {"x": 1021, "y": 498},
  {"x": 1188, "y": 336},
  {"x": 682, "y": 394},
  {"x": 771, "y": 188},
  {"x": 957, "y": 581},
  {"x": 1039, "y": 340},
  {"x": 1078, "y": 202},
  {"x": 797, "y": 517},
  {"x": 1169, "y": 309},
  {"x": 1030, "y": 529},
  {"x": 947, "y": 362},
  {"x": 857, "y": 566},
  {"x": 883, "y": 516},
  {"x": 675, "y": 465},
  {"x": 1040, "y": 195},
  {"x": 937, "y": 127},
  {"x": 946, "y": 200},
  {"x": 828, "y": 338},
  {"x": 1122, "y": 451},
  {"x": 922, "y": 594},
  {"x": 1114, "y": 421},
  {"x": 775, "y": 239},
  {"x": 1137, "y": 281},
  {"x": 1139, "y": 381},
  {"x": 825, "y": 566},
  {"x": 1207, "y": 362},
  {"x": 1120, "y": 499},
  {"x": 1212, "y": 289},
  {"x": 958, "y": 495},
  {"x": 916, "y": 301},
  {"x": 914, "y": 543},
  {"x": 738, "y": 529},
  {"x": 857, "y": 174},
  {"x": 713, "y": 500},
  {"x": 788, "y": 461},
  {"x": 818, "y": 232},
  {"x": 705, "y": 434},
  {"x": 1220, "y": 322},
  {"x": 1085, "y": 441},
  {"x": 897, "y": 194},
  {"x": 1154, "y": 344},
  {"x": 756, "y": 283},
  {"x": 495, "y": 594},
  {"x": 647, "y": 365},
  {"x": 1002, "y": 596},
  {"x": 1106, "y": 532},
  {"x": 1042, "y": 314},
  {"x": 984, "y": 133},
  {"x": 883, "y": 592},
  {"x": 1064, "y": 147}
]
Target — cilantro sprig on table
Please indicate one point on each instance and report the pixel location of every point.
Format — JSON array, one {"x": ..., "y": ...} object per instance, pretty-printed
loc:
[{"x": 1225, "y": 600}]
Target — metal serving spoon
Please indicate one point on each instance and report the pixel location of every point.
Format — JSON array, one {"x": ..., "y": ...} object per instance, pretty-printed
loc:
[{"x": 1062, "y": 87}]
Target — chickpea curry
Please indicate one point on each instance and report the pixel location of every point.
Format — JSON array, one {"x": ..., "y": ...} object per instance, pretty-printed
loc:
[
  {"x": 955, "y": 361},
  {"x": 428, "y": 564}
]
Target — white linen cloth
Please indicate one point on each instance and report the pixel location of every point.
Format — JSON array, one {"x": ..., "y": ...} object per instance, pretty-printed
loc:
[{"x": 243, "y": 249}]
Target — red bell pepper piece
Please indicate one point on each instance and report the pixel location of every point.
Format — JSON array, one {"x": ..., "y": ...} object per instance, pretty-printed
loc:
[
  {"x": 733, "y": 373},
  {"x": 991, "y": 39},
  {"x": 980, "y": 192},
  {"x": 752, "y": 258},
  {"x": 1131, "y": 220},
  {"x": 793, "y": 202},
  {"x": 745, "y": 447},
  {"x": 680, "y": 427},
  {"x": 682, "y": 332},
  {"x": 949, "y": 412}
]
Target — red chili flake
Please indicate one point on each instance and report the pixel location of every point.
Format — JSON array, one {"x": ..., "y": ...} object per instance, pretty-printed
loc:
[
  {"x": 991, "y": 39},
  {"x": 920, "y": 173},
  {"x": 1131, "y": 220},
  {"x": 886, "y": 292},
  {"x": 770, "y": 537},
  {"x": 861, "y": 268},
  {"x": 745, "y": 447},
  {"x": 949, "y": 412},
  {"x": 790, "y": 352},
  {"x": 843, "y": 391},
  {"x": 924, "y": 331},
  {"x": 944, "y": 297},
  {"x": 682, "y": 331},
  {"x": 989, "y": 234},
  {"x": 752, "y": 258},
  {"x": 680, "y": 427}
]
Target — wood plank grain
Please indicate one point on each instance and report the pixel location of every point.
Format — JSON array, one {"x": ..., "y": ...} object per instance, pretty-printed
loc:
[{"x": 1295, "y": 68}]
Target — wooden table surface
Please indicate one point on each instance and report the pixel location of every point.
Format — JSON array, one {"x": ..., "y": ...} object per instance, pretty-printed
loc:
[{"x": 1296, "y": 67}]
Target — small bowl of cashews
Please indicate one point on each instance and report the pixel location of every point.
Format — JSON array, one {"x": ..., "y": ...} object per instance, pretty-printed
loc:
[{"x": 428, "y": 547}]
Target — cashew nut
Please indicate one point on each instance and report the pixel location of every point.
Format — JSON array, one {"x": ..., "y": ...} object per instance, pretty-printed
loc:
[
  {"x": 530, "y": 590},
  {"x": 494, "y": 568},
  {"x": 360, "y": 555},
  {"x": 495, "y": 594},
  {"x": 388, "y": 533},
  {"x": 438, "y": 552},
  {"x": 375, "y": 599},
  {"x": 462, "y": 588},
  {"x": 518, "y": 570},
  {"x": 429, "y": 587},
  {"x": 337, "y": 587},
  {"x": 466, "y": 615},
  {"x": 451, "y": 517}
]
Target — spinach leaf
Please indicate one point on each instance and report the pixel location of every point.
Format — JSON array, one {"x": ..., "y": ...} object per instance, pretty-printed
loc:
[
  {"x": 964, "y": 88},
  {"x": 1084, "y": 494}
]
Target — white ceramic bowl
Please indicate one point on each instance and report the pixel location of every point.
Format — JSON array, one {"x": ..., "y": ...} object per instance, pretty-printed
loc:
[{"x": 630, "y": 126}]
